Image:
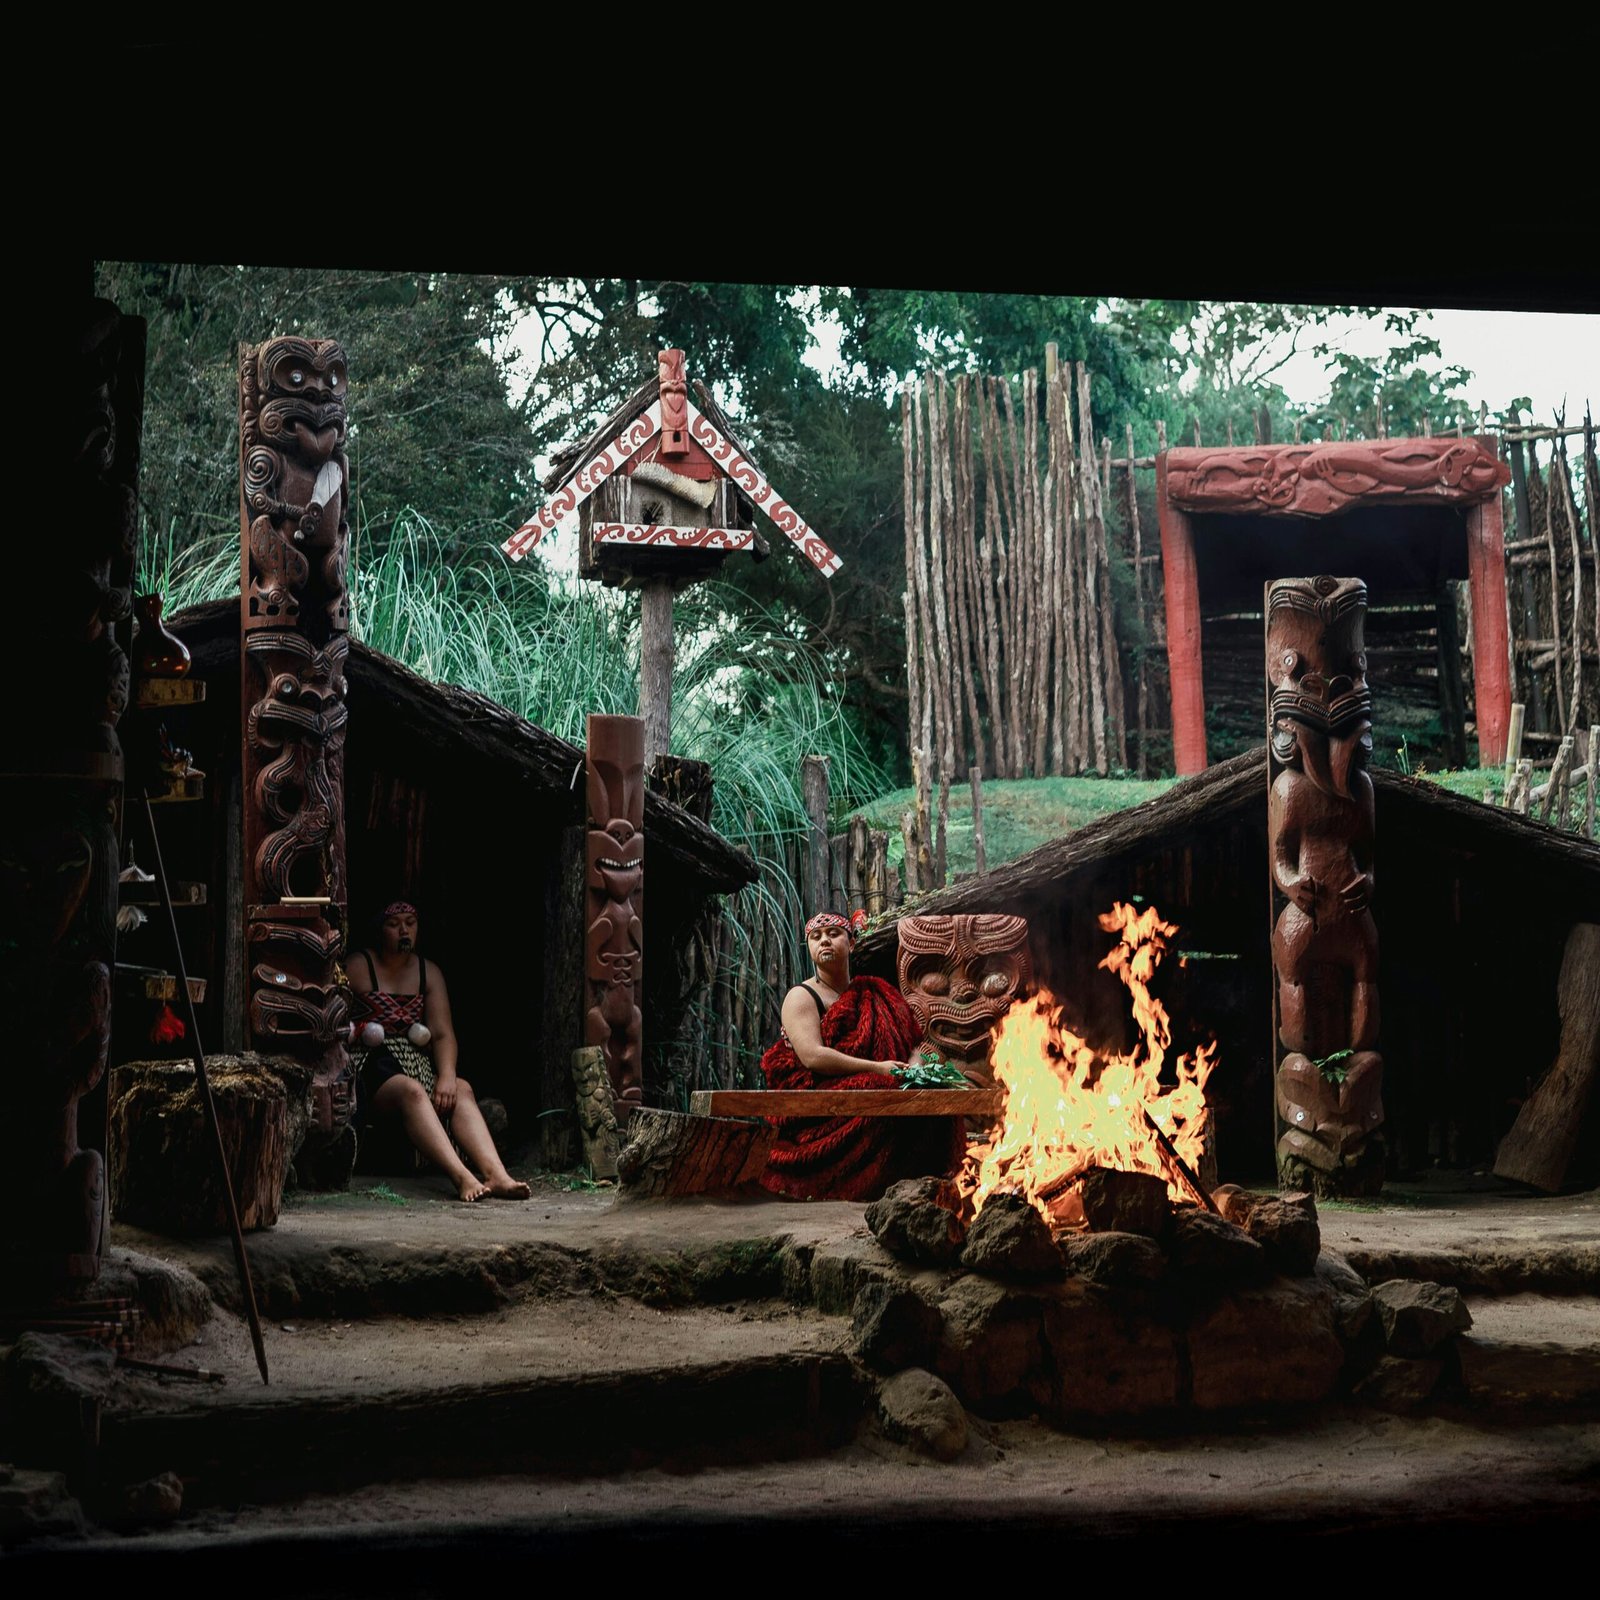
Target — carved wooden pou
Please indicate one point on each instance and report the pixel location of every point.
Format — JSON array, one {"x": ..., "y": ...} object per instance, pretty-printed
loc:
[
  {"x": 1329, "y": 1076},
  {"x": 60, "y": 792},
  {"x": 294, "y": 617},
  {"x": 614, "y": 892},
  {"x": 960, "y": 975}
]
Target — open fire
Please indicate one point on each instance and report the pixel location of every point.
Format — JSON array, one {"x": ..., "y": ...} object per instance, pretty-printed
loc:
[{"x": 1070, "y": 1107}]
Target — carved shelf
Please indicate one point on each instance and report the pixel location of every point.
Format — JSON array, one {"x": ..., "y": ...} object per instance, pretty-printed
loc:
[
  {"x": 154, "y": 693},
  {"x": 158, "y": 985},
  {"x": 191, "y": 786},
  {"x": 149, "y": 894}
]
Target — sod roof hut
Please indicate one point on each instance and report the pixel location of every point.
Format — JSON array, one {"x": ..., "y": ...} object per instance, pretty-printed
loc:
[
  {"x": 476, "y": 816},
  {"x": 1474, "y": 906}
]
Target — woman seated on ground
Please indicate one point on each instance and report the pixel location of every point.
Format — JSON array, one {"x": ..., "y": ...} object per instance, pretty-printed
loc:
[
  {"x": 410, "y": 1074},
  {"x": 841, "y": 1032}
]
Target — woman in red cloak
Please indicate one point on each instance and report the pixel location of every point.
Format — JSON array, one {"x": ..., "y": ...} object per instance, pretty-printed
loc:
[{"x": 841, "y": 1032}]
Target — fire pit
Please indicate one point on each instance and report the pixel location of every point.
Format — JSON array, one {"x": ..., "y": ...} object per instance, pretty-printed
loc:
[
  {"x": 1086, "y": 1270},
  {"x": 1083, "y": 1128}
]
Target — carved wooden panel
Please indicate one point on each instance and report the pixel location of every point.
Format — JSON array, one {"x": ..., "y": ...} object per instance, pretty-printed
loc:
[
  {"x": 294, "y": 617},
  {"x": 61, "y": 783},
  {"x": 614, "y": 888},
  {"x": 1318, "y": 480}
]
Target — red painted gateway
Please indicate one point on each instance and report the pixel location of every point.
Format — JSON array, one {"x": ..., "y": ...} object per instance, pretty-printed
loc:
[{"x": 1404, "y": 513}]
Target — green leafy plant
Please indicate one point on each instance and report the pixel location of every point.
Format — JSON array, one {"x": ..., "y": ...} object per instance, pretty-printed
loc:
[
  {"x": 1331, "y": 1066},
  {"x": 928, "y": 1071}
]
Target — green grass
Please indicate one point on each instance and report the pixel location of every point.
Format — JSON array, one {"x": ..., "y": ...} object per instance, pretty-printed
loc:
[
  {"x": 1018, "y": 814},
  {"x": 1022, "y": 813}
]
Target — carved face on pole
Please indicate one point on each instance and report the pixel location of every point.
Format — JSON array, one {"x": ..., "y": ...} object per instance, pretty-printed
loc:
[
  {"x": 1318, "y": 698},
  {"x": 614, "y": 883},
  {"x": 959, "y": 975}
]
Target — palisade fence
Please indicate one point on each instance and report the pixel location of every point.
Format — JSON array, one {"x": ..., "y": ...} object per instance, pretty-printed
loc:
[
  {"x": 1553, "y": 588},
  {"x": 1035, "y": 614}
]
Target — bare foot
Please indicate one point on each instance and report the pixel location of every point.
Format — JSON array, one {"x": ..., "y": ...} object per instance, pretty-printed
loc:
[
  {"x": 469, "y": 1188},
  {"x": 506, "y": 1187}
]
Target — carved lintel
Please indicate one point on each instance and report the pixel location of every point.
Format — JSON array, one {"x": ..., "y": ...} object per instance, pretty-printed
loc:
[
  {"x": 959, "y": 975},
  {"x": 1320, "y": 479},
  {"x": 1320, "y": 826}
]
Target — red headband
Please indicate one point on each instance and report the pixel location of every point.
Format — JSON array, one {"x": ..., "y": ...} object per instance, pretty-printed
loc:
[
  {"x": 851, "y": 925},
  {"x": 400, "y": 908}
]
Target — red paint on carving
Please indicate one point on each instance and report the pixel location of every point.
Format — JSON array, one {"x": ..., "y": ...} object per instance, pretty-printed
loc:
[
  {"x": 674, "y": 403},
  {"x": 1316, "y": 480},
  {"x": 1183, "y": 629},
  {"x": 1491, "y": 641}
]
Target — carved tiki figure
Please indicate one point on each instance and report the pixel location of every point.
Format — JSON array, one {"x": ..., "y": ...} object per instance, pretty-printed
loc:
[
  {"x": 295, "y": 614},
  {"x": 614, "y": 883},
  {"x": 1320, "y": 839},
  {"x": 960, "y": 975}
]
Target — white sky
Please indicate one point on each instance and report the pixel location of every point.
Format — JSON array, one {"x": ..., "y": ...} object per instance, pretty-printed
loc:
[
  {"x": 1549, "y": 357},
  {"x": 1552, "y": 358}
]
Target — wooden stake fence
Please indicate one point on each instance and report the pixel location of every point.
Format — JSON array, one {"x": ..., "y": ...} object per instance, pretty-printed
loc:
[{"x": 1014, "y": 661}]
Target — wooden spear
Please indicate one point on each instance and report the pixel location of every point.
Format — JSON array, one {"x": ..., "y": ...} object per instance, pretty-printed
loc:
[{"x": 241, "y": 1261}]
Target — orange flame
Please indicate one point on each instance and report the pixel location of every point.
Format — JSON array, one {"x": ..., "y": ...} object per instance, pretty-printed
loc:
[{"x": 1069, "y": 1107}]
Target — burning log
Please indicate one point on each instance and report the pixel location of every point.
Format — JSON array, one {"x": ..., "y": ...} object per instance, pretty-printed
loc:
[
  {"x": 1124, "y": 1202},
  {"x": 1069, "y": 1108},
  {"x": 1178, "y": 1166}
]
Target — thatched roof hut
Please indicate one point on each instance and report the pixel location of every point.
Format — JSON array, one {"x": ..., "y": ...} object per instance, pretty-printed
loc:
[
  {"x": 459, "y": 805},
  {"x": 1473, "y": 905}
]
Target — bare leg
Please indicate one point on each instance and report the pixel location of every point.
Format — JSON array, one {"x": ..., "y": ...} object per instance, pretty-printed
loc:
[
  {"x": 406, "y": 1098},
  {"x": 472, "y": 1133}
]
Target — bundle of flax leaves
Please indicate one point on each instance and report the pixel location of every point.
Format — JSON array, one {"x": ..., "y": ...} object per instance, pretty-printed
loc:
[{"x": 928, "y": 1071}]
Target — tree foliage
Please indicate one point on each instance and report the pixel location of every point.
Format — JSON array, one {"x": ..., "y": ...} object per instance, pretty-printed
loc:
[
  {"x": 434, "y": 425},
  {"x": 461, "y": 384}
]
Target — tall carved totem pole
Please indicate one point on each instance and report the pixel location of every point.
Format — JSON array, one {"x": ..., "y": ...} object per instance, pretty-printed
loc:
[
  {"x": 294, "y": 620},
  {"x": 61, "y": 781},
  {"x": 614, "y": 916},
  {"x": 1329, "y": 1076}
]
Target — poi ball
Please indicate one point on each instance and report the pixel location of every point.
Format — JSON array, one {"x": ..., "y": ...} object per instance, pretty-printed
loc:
[
  {"x": 419, "y": 1034},
  {"x": 372, "y": 1034}
]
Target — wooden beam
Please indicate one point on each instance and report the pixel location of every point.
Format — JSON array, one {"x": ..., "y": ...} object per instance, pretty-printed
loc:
[
  {"x": 1491, "y": 632},
  {"x": 847, "y": 1102},
  {"x": 1184, "y": 664}
]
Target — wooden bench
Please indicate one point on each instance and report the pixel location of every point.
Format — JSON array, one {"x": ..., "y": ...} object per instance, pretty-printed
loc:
[
  {"x": 721, "y": 1146},
  {"x": 847, "y": 1103}
]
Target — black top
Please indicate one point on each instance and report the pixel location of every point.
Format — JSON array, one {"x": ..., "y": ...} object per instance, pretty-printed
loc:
[{"x": 422, "y": 962}]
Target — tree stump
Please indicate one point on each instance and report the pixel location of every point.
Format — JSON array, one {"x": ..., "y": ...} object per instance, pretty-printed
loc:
[
  {"x": 1543, "y": 1141},
  {"x": 163, "y": 1159},
  {"x": 670, "y": 1154}
]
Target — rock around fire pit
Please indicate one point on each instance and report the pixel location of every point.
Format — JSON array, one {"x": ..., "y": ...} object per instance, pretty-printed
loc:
[{"x": 1193, "y": 1313}]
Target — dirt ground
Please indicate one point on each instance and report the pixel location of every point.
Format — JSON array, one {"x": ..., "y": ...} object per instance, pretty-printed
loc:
[{"x": 1344, "y": 1472}]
